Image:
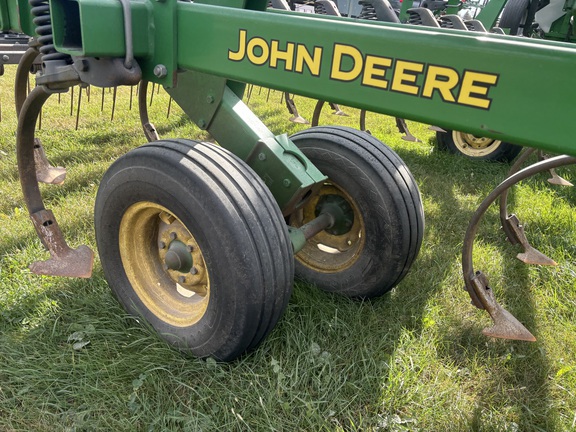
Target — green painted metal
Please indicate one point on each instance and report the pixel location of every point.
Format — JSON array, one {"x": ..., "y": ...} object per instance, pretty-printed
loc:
[
  {"x": 494, "y": 81},
  {"x": 490, "y": 13},
  {"x": 12, "y": 12},
  {"x": 213, "y": 106},
  {"x": 402, "y": 59},
  {"x": 453, "y": 6},
  {"x": 563, "y": 29}
]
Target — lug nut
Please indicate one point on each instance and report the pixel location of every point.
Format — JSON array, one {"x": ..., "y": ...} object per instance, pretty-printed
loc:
[
  {"x": 190, "y": 248},
  {"x": 173, "y": 236},
  {"x": 193, "y": 271},
  {"x": 162, "y": 245},
  {"x": 182, "y": 279}
]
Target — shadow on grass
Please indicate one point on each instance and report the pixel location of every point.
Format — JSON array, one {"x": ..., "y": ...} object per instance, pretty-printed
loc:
[
  {"x": 329, "y": 360},
  {"x": 517, "y": 377}
]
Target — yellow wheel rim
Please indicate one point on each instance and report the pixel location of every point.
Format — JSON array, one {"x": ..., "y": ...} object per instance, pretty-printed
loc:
[
  {"x": 164, "y": 264},
  {"x": 327, "y": 252},
  {"x": 474, "y": 146}
]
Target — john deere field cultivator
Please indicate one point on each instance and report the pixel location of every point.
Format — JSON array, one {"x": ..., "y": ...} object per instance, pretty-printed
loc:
[{"x": 203, "y": 241}]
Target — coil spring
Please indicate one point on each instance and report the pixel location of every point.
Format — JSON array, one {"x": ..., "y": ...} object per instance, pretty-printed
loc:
[
  {"x": 414, "y": 18},
  {"x": 446, "y": 23},
  {"x": 43, "y": 22},
  {"x": 319, "y": 9},
  {"x": 368, "y": 12}
]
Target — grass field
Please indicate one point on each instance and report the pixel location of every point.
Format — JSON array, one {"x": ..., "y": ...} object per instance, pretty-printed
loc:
[{"x": 414, "y": 359}]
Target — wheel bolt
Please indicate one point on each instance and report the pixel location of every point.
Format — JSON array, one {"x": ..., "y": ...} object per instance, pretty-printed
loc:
[
  {"x": 173, "y": 236},
  {"x": 182, "y": 279},
  {"x": 194, "y": 271},
  {"x": 190, "y": 248},
  {"x": 162, "y": 245},
  {"x": 165, "y": 267}
]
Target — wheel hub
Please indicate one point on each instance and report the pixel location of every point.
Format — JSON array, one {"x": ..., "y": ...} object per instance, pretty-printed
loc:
[
  {"x": 340, "y": 209},
  {"x": 182, "y": 260},
  {"x": 477, "y": 142},
  {"x": 178, "y": 257},
  {"x": 337, "y": 247}
]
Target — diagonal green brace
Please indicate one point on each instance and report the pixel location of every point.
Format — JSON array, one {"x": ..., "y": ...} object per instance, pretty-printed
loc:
[{"x": 211, "y": 103}]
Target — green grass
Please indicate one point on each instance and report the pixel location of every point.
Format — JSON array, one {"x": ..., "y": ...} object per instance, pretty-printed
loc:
[{"x": 415, "y": 359}]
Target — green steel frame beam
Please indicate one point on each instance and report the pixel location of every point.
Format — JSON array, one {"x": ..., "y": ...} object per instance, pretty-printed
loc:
[{"x": 512, "y": 89}]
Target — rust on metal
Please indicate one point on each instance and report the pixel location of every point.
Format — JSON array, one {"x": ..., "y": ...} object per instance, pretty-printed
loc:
[
  {"x": 64, "y": 261},
  {"x": 506, "y": 326},
  {"x": 530, "y": 255}
]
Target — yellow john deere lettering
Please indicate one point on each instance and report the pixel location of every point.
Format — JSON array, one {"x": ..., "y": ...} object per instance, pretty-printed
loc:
[
  {"x": 348, "y": 63},
  {"x": 258, "y": 51}
]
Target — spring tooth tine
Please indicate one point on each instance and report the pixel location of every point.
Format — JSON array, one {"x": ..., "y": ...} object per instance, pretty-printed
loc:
[
  {"x": 152, "y": 94},
  {"x": 72, "y": 101},
  {"x": 169, "y": 107},
  {"x": 102, "y": 103},
  {"x": 131, "y": 97},
  {"x": 113, "y": 103},
  {"x": 78, "y": 108}
]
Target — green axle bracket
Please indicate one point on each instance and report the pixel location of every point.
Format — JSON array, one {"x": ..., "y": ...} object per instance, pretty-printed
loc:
[{"x": 213, "y": 106}]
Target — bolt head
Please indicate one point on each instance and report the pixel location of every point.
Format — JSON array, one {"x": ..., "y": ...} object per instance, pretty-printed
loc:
[
  {"x": 182, "y": 279},
  {"x": 160, "y": 71},
  {"x": 190, "y": 248},
  {"x": 193, "y": 271},
  {"x": 173, "y": 236},
  {"x": 210, "y": 99},
  {"x": 286, "y": 183},
  {"x": 162, "y": 245}
]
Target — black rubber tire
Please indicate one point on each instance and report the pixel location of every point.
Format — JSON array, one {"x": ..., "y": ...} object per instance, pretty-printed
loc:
[
  {"x": 237, "y": 225},
  {"x": 387, "y": 200},
  {"x": 496, "y": 151},
  {"x": 514, "y": 16}
]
